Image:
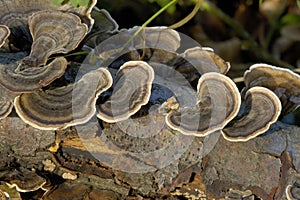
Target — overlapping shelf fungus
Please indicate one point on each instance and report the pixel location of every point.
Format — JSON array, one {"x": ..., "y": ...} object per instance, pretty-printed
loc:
[{"x": 125, "y": 78}]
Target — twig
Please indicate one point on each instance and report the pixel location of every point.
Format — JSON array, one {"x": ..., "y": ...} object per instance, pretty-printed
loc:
[{"x": 188, "y": 17}]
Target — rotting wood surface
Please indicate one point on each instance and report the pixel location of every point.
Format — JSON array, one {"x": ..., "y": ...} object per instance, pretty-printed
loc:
[{"x": 260, "y": 168}]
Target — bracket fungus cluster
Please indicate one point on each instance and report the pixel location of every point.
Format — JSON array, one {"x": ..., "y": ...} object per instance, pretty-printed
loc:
[
  {"x": 127, "y": 66},
  {"x": 130, "y": 83},
  {"x": 269, "y": 92},
  {"x": 49, "y": 29},
  {"x": 15, "y": 14}
]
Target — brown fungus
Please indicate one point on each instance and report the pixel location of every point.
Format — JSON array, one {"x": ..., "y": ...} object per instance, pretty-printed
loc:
[
  {"x": 151, "y": 41},
  {"x": 159, "y": 37},
  {"x": 260, "y": 109},
  {"x": 24, "y": 180},
  {"x": 197, "y": 61},
  {"x": 283, "y": 82},
  {"x": 64, "y": 106},
  {"x": 150, "y": 44},
  {"x": 222, "y": 66},
  {"x": 103, "y": 21},
  {"x": 218, "y": 102},
  {"x": 159, "y": 44},
  {"x": 31, "y": 79},
  {"x": 53, "y": 32},
  {"x": 15, "y": 13},
  {"x": 203, "y": 60},
  {"x": 4, "y": 33},
  {"x": 104, "y": 27},
  {"x": 131, "y": 90}
]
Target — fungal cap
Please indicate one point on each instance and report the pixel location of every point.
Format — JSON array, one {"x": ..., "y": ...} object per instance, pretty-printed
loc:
[
  {"x": 53, "y": 32},
  {"x": 65, "y": 106},
  {"x": 283, "y": 82},
  {"x": 262, "y": 108},
  {"x": 131, "y": 90},
  {"x": 218, "y": 102},
  {"x": 31, "y": 79}
]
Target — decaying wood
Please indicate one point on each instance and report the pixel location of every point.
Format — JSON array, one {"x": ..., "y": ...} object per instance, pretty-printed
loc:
[{"x": 261, "y": 167}]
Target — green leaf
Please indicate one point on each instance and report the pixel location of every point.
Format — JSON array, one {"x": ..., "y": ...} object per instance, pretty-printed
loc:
[
  {"x": 84, "y": 2},
  {"x": 260, "y": 2},
  {"x": 74, "y": 3},
  {"x": 298, "y": 3},
  {"x": 290, "y": 19},
  {"x": 57, "y": 2},
  {"x": 193, "y": 1},
  {"x": 171, "y": 9}
]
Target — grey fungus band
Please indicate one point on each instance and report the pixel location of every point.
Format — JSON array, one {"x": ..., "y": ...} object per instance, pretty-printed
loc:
[
  {"x": 16, "y": 79},
  {"x": 53, "y": 32},
  {"x": 65, "y": 106},
  {"x": 283, "y": 82},
  {"x": 211, "y": 112},
  {"x": 260, "y": 109},
  {"x": 131, "y": 90}
]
